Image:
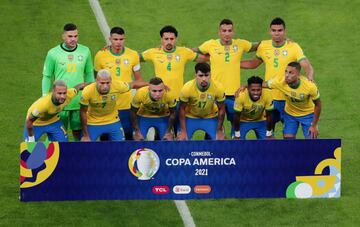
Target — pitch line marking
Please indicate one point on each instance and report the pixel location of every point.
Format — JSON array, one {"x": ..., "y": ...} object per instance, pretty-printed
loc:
[{"x": 181, "y": 206}]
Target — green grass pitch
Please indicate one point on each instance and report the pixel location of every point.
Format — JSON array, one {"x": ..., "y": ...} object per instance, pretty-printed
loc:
[{"x": 326, "y": 30}]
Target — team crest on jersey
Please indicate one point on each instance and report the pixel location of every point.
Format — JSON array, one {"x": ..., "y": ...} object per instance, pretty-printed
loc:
[
  {"x": 235, "y": 48},
  {"x": 117, "y": 61},
  {"x": 202, "y": 96},
  {"x": 177, "y": 57},
  {"x": 80, "y": 58},
  {"x": 113, "y": 97},
  {"x": 209, "y": 96},
  {"x": 276, "y": 52},
  {"x": 293, "y": 94},
  {"x": 285, "y": 53},
  {"x": 126, "y": 61},
  {"x": 71, "y": 57},
  {"x": 169, "y": 57},
  {"x": 104, "y": 97}
]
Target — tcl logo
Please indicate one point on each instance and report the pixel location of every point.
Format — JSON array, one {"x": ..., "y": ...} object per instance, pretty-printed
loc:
[
  {"x": 181, "y": 189},
  {"x": 161, "y": 190}
]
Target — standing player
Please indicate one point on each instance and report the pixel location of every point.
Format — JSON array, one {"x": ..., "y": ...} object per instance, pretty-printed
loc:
[
  {"x": 302, "y": 102},
  {"x": 72, "y": 63},
  {"x": 43, "y": 115},
  {"x": 277, "y": 53},
  {"x": 152, "y": 106},
  {"x": 122, "y": 62},
  {"x": 98, "y": 110},
  {"x": 253, "y": 110},
  {"x": 225, "y": 56},
  {"x": 202, "y": 105},
  {"x": 169, "y": 60}
]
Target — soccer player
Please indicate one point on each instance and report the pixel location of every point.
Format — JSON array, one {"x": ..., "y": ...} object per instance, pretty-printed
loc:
[
  {"x": 153, "y": 106},
  {"x": 43, "y": 115},
  {"x": 302, "y": 102},
  {"x": 169, "y": 60},
  {"x": 72, "y": 63},
  {"x": 98, "y": 110},
  {"x": 225, "y": 56},
  {"x": 123, "y": 63},
  {"x": 253, "y": 110},
  {"x": 276, "y": 54},
  {"x": 202, "y": 105}
]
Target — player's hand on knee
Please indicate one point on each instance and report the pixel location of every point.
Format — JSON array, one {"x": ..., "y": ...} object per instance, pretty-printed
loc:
[
  {"x": 220, "y": 135},
  {"x": 168, "y": 136},
  {"x": 85, "y": 139},
  {"x": 182, "y": 136},
  {"x": 138, "y": 136},
  {"x": 313, "y": 131}
]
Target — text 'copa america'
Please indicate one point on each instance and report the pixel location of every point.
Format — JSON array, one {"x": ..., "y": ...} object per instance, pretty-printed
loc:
[{"x": 200, "y": 162}]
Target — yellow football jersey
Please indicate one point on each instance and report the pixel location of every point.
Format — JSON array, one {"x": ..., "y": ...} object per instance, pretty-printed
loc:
[
  {"x": 121, "y": 67},
  {"x": 150, "y": 108},
  {"x": 169, "y": 66},
  {"x": 202, "y": 104},
  {"x": 253, "y": 111},
  {"x": 276, "y": 59},
  {"x": 46, "y": 111},
  {"x": 102, "y": 107},
  {"x": 225, "y": 61},
  {"x": 298, "y": 101}
]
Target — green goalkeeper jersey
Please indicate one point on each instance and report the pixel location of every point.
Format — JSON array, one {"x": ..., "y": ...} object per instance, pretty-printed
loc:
[{"x": 73, "y": 66}]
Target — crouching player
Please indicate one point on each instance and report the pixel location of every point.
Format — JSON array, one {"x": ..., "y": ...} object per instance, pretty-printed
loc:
[
  {"x": 202, "y": 105},
  {"x": 43, "y": 115},
  {"x": 98, "y": 111},
  {"x": 152, "y": 106},
  {"x": 302, "y": 102},
  {"x": 253, "y": 110}
]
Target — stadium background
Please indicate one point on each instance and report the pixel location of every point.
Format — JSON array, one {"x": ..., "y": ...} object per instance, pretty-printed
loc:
[{"x": 326, "y": 30}]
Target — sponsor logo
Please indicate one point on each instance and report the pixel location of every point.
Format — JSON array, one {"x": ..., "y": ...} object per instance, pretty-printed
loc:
[
  {"x": 126, "y": 61},
  {"x": 202, "y": 189},
  {"x": 177, "y": 57},
  {"x": 37, "y": 162},
  {"x": 276, "y": 52},
  {"x": 80, "y": 58},
  {"x": 161, "y": 190},
  {"x": 144, "y": 163},
  {"x": 285, "y": 52},
  {"x": 181, "y": 189}
]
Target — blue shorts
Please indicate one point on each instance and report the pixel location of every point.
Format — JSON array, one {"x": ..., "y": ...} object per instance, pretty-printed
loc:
[
  {"x": 159, "y": 123},
  {"x": 292, "y": 124},
  {"x": 259, "y": 128},
  {"x": 279, "y": 110},
  {"x": 55, "y": 132},
  {"x": 114, "y": 130},
  {"x": 229, "y": 108},
  {"x": 208, "y": 125},
  {"x": 124, "y": 116}
]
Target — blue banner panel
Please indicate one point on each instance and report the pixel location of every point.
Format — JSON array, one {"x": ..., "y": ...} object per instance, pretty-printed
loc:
[{"x": 129, "y": 170}]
